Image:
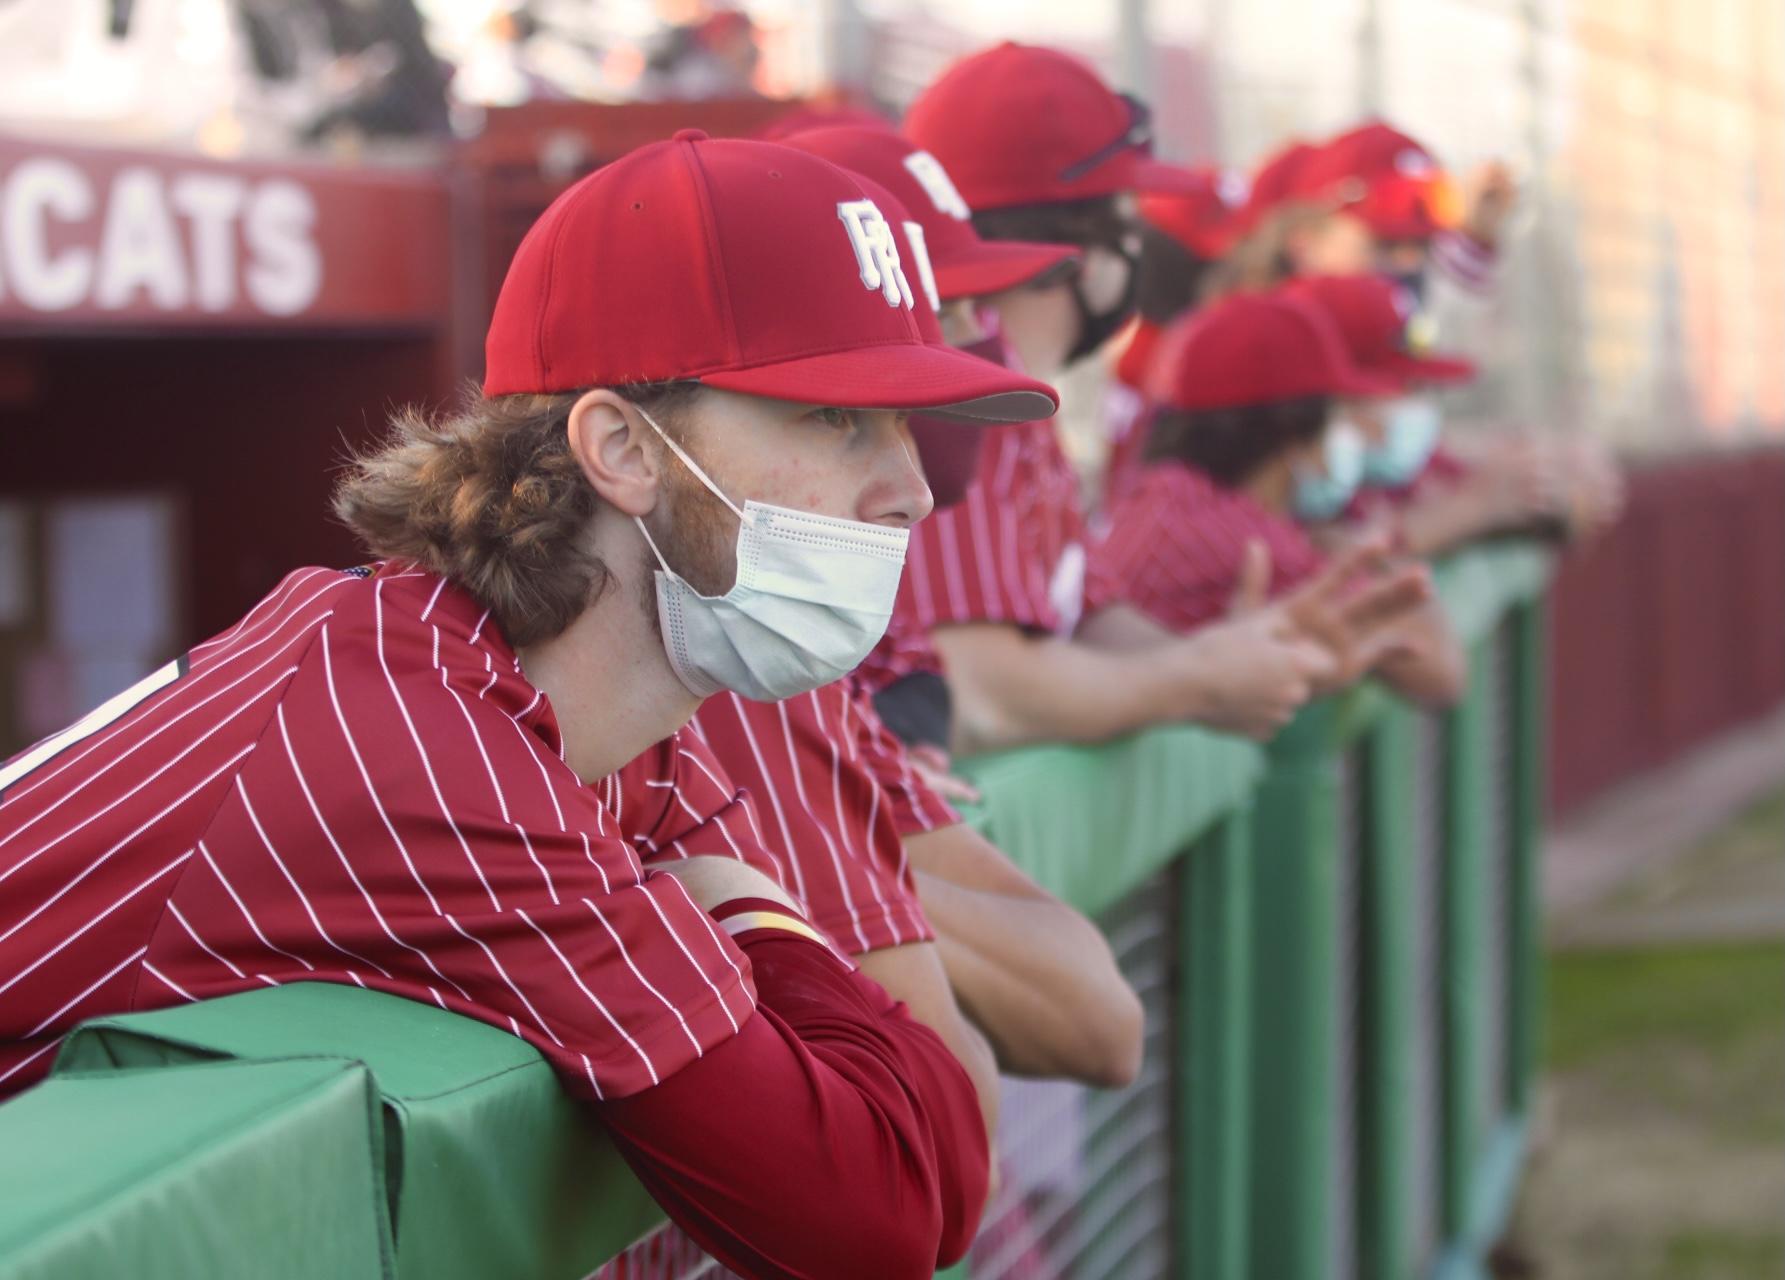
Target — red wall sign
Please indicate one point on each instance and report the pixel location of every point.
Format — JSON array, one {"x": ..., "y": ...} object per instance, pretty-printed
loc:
[{"x": 114, "y": 239}]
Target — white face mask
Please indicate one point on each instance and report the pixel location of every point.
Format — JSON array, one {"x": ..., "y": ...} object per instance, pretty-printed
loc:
[{"x": 813, "y": 596}]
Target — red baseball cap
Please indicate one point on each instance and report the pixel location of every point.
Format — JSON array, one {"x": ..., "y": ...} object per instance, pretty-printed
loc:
[
  {"x": 1371, "y": 315},
  {"x": 803, "y": 119},
  {"x": 1256, "y": 348},
  {"x": 966, "y": 266},
  {"x": 742, "y": 265},
  {"x": 1201, "y": 220},
  {"x": 1275, "y": 183},
  {"x": 1386, "y": 178},
  {"x": 1017, "y": 124}
]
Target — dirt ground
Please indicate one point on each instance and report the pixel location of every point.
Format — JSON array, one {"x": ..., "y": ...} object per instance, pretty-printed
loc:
[{"x": 1660, "y": 1151}]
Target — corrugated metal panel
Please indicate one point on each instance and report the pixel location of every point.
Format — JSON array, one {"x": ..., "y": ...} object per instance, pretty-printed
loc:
[{"x": 1087, "y": 1174}]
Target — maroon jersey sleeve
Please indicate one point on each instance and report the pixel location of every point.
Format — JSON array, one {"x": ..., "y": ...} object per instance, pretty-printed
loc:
[
  {"x": 1177, "y": 541},
  {"x": 831, "y": 1096}
]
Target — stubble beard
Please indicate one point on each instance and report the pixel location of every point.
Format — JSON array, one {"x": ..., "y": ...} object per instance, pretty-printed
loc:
[{"x": 698, "y": 539}]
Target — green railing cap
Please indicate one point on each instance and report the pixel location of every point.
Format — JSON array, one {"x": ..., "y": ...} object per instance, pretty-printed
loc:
[{"x": 476, "y": 1127}]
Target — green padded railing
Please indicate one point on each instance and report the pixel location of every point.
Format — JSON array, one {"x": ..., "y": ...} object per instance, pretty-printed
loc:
[
  {"x": 1340, "y": 1111},
  {"x": 1335, "y": 939}
]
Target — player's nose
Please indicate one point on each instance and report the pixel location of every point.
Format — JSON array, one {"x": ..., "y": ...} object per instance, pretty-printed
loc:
[{"x": 896, "y": 492}]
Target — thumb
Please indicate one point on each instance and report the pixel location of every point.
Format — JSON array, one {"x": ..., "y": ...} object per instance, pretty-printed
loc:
[{"x": 1252, "y": 589}]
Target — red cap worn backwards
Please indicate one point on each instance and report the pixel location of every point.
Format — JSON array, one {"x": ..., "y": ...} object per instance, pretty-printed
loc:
[
  {"x": 966, "y": 266},
  {"x": 742, "y": 265},
  {"x": 1370, "y": 315},
  {"x": 1256, "y": 349},
  {"x": 1017, "y": 124}
]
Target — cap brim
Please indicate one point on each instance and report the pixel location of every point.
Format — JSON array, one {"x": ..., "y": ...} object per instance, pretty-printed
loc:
[
  {"x": 992, "y": 266},
  {"x": 1406, "y": 368},
  {"x": 1372, "y": 383},
  {"x": 941, "y": 381},
  {"x": 1155, "y": 177}
]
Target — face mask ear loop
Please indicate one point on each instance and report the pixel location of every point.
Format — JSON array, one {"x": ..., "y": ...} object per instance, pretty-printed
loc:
[
  {"x": 652, "y": 544},
  {"x": 693, "y": 466}
]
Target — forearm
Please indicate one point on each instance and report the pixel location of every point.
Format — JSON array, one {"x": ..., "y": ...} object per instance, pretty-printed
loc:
[
  {"x": 1121, "y": 628},
  {"x": 1040, "y": 980},
  {"x": 1439, "y": 523},
  {"x": 833, "y": 1135},
  {"x": 1011, "y": 689}
]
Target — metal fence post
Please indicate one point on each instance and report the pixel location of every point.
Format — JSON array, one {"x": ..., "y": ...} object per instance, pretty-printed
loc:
[
  {"x": 1386, "y": 1244},
  {"x": 1529, "y": 688},
  {"x": 1214, "y": 1079},
  {"x": 1295, "y": 940},
  {"x": 1465, "y": 890}
]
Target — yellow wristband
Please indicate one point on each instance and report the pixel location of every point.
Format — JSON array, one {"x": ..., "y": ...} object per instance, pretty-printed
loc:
[{"x": 745, "y": 921}]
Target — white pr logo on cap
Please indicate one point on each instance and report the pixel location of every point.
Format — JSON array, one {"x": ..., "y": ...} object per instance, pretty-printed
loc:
[
  {"x": 926, "y": 272},
  {"x": 938, "y": 185},
  {"x": 876, "y": 252}
]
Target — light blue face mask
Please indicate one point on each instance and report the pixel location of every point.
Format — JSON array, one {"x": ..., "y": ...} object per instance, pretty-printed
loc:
[
  {"x": 1410, "y": 434},
  {"x": 1321, "y": 495}
]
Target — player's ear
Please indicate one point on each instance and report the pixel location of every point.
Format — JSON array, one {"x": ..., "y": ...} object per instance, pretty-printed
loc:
[{"x": 612, "y": 443}]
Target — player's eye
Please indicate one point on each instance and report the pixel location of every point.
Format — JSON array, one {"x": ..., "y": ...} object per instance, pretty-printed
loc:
[{"x": 834, "y": 417}]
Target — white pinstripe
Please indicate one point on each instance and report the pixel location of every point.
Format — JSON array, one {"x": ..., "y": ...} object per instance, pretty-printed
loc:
[
  {"x": 74, "y": 937},
  {"x": 97, "y": 983},
  {"x": 297, "y": 773},
  {"x": 104, "y": 857},
  {"x": 421, "y": 752}
]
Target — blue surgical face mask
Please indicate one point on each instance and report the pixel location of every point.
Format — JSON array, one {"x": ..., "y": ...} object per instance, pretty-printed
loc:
[
  {"x": 1323, "y": 493},
  {"x": 1410, "y": 434}
]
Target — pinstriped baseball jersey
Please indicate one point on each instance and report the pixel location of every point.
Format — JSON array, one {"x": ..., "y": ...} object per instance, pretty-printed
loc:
[
  {"x": 1177, "y": 540},
  {"x": 354, "y": 784},
  {"x": 835, "y": 793},
  {"x": 1013, "y": 551}
]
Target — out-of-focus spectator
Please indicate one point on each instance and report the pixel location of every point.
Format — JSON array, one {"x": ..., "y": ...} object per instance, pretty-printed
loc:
[
  {"x": 712, "y": 56},
  {"x": 385, "y": 80}
]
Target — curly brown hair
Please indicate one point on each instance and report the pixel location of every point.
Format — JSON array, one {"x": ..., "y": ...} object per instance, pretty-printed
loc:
[{"x": 491, "y": 498}]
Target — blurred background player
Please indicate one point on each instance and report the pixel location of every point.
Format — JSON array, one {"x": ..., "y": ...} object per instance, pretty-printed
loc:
[
  {"x": 1422, "y": 494},
  {"x": 1184, "y": 237},
  {"x": 1373, "y": 199},
  {"x": 1042, "y": 150},
  {"x": 1253, "y": 432}
]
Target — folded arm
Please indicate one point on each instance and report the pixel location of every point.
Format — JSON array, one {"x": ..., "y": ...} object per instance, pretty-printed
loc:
[{"x": 1035, "y": 974}]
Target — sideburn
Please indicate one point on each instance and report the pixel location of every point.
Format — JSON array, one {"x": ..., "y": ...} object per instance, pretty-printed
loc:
[{"x": 698, "y": 536}]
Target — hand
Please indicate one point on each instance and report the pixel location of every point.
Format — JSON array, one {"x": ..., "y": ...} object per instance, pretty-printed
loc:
[
  {"x": 1519, "y": 481},
  {"x": 1250, "y": 672},
  {"x": 932, "y": 765},
  {"x": 1595, "y": 487},
  {"x": 1489, "y": 194},
  {"x": 713, "y": 881},
  {"x": 1356, "y": 611}
]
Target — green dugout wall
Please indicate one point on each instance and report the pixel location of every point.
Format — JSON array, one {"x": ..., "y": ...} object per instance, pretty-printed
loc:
[{"x": 1335, "y": 937}]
